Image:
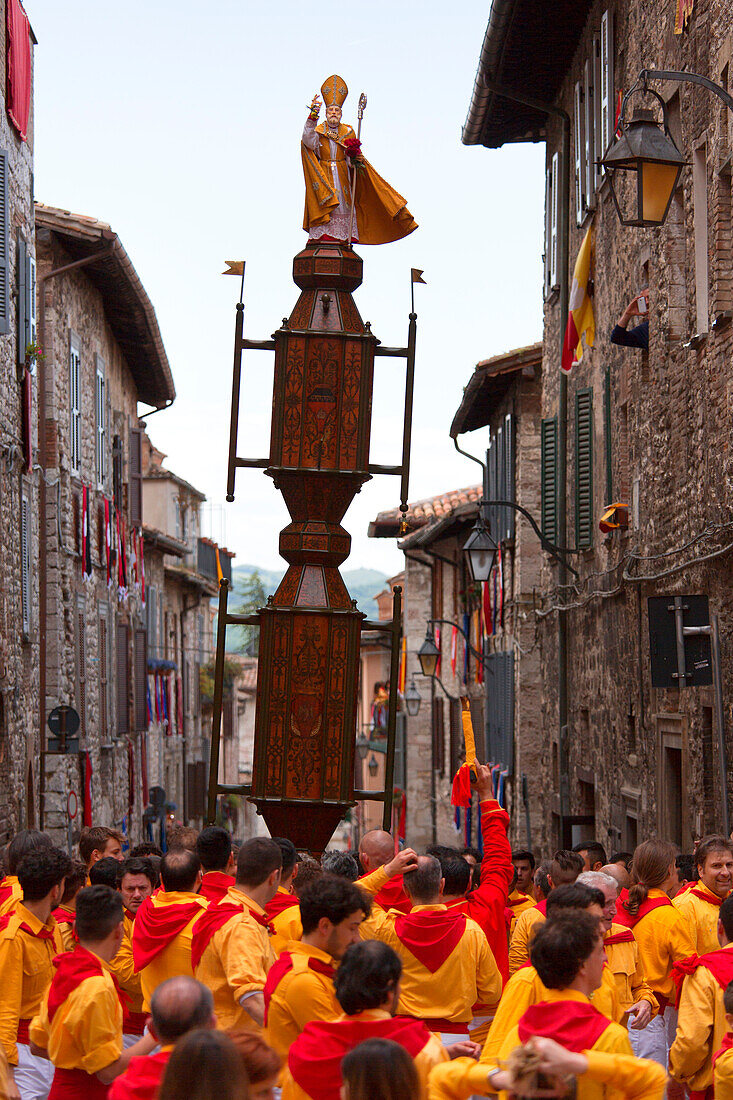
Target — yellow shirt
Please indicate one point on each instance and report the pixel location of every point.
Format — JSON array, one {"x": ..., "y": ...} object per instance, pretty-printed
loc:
[
  {"x": 16, "y": 894},
  {"x": 702, "y": 915},
  {"x": 301, "y": 996},
  {"x": 432, "y": 1054},
  {"x": 525, "y": 988},
  {"x": 123, "y": 968},
  {"x": 174, "y": 959},
  {"x": 235, "y": 962},
  {"x": 723, "y": 1075},
  {"x": 67, "y": 930},
  {"x": 701, "y": 1027},
  {"x": 467, "y": 976},
  {"x": 664, "y": 937},
  {"x": 625, "y": 964},
  {"x": 287, "y": 927},
  {"x": 26, "y": 970},
  {"x": 518, "y": 903},
  {"x": 86, "y": 1031},
  {"x": 614, "y": 1076},
  {"x": 524, "y": 930}
]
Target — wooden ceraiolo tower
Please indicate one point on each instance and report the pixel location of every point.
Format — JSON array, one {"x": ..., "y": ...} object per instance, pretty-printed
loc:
[{"x": 309, "y": 637}]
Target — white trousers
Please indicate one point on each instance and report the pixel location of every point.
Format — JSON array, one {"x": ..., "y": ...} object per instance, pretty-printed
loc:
[
  {"x": 33, "y": 1075},
  {"x": 654, "y": 1040}
]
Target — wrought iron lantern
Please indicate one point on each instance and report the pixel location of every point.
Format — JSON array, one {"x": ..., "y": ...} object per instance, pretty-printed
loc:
[
  {"x": 645, "y": 155},
  {"x": 428, "y": 654},
  {"x": 413, "y": 699},
  {"x": 480, "y": 550}
]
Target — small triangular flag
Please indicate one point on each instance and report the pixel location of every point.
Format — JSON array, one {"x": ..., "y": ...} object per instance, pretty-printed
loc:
[
  {"x": 234, "y": 267},
  {"x": 417, "y": 275}
]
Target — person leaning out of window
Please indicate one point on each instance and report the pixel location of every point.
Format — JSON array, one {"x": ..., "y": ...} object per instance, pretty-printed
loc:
[{"x": 637, "y": 337}]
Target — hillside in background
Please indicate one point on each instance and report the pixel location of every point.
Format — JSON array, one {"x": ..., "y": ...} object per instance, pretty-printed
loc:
[{"x": 363, "y": 585}]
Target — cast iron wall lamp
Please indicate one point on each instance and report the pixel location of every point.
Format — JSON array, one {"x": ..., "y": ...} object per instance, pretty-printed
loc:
[
  {"x": 646, "y": 154},
  {"x": 413, "y": 699}
]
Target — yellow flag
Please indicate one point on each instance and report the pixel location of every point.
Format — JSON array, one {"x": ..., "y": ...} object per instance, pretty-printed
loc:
[
  {"x": 234, "y": 267},
  {"x": 468, "y": 736},
  {"x": 219, "y": 574}
]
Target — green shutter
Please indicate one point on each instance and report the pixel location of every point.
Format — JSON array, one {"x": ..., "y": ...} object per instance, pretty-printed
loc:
[
  {"x": 549, "y": 479},
  {"x": 607, "y": 430},
  {"x": 584, "y": 468}
]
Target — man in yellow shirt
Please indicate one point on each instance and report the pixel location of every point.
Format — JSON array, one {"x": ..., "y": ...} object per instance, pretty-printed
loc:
[
  {"x": 286, "y": 924},
  {"x": 214, "y": 849},
  {"x": 723, "y": 1060},
  {"x": 285, "y": 898},
  {"x": 701, "y": 903},
  {"x": 299, "y": 987},
  {"x": 517, "y": 903},
  {"x": 637, "y": 1004},
  {"x": 367, "y": 988},
  {"x": 701, "y": 1022},
  {"x": 524, "y": 864},
  {"x": 22, "y": 843},
  {"x": 65, "y": 912},
  {"x": 137, "y": 880},
  {"x": 569, "y": 957},
  {"x": 565, "y": 868},
  {"x": 447, "y": 963},
  {"x": 161, "y": 937},
  {"x": 97, "y": 842},
  {"x": 79, "y": 1025},
  {"x": 231, "y": 951},
  {"x": 29, "y": 941}
]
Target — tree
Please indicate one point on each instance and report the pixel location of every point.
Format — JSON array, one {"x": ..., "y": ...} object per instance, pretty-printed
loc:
[{"x": 244, "y": 639}]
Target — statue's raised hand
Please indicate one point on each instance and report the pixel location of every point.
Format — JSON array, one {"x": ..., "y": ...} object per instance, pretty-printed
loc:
[{"x": 315, "y": 107}]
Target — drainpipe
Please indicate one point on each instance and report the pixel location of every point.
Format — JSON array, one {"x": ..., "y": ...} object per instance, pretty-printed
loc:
[
  {"x": 42, "y": 555},
  {"x": 563, "y": 237}
]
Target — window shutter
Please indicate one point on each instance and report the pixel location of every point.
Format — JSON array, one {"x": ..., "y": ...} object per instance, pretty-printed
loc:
[
  {"x": 507, "y": 716},
  {"x": 456, "y": 735},
  {"x": 588, "y": 119},
  {"x": 25, "y": 563},
  {"x": 117, "y": 472},
  {"x": 438, "y": 737},
  {"x": 21, "y": 261},
  {"x": 608, "y": 119},
  {"x": 123, "y": 680},
  {"x": 4, "y": 288},
  {"x": 584, "y": 468},
  {"x": 598, "y": 146},
  {"x": 508, "y": 490},
  {"x": 548, "y": 237},
  {"x": 103, "y": 713},
  {"x": 553, "y": 221},
  {"x": 100, "y": 383},
  {"x": 607, "y": 432},
  {"x": 75, "y": 404},
  {"x": 81, "y": 665},
  {"x": 141, "y": 680},
  {"x": 579, "y": 154},
  {"x": 136, "y": 477},
  {"x": 549, "y": 479},
  {"x": 31, "y": 299},
  {"x": 496, "y": 515}
]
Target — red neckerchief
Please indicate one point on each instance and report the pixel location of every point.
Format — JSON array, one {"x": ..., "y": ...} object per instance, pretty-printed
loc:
[
  {"x": 63, "y": 916},
  {"x": 431, "y": 935},
  {"x": 574, "y": 1025},
  {"x": 629, "y": 920},
  {"x": 719, "y": 963},
  {"x": 627, "y": 936},
  {"x": 156, "y": 926},
  {"x": 6, "y": 888},
  {"x": 208, "y": 924},
  {"x": 700, "y": 890},
  {"x": 42, "y": 933},
  {"x": 214, "y": 886},
  {"x": 315, "y": 1056},
  {"x": 393, "y": 896},
  {"x": 512, "y": 902},
  {"x": 142, "y": 1078},
  {"x": 73, "y": 968},
  {"x": 279, "y": 904},
  {"x": 725, "y": 1045},
  {"x": 130, "y": 916},
  {"x": 261, "y": 919},
  {"x": 283, "y": 966},
  {"x": 542, "y": 906}
]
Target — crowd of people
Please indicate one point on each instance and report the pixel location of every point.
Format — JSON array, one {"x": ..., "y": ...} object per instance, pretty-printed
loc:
[{"x": 258, "y": 971}]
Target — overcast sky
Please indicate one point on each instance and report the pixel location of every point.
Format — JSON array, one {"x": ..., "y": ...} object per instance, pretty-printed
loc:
[{"x": 179, "y": 124}]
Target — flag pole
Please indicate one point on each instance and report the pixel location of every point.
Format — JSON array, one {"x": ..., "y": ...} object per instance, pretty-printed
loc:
[{"x": 362, "y": 107}]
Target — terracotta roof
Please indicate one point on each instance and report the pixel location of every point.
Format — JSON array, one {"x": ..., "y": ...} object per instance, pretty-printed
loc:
[
  {"x": 489, "y": 383},
  {"x": 420, "y": 512},
  {"x": 128, "y": 308}
]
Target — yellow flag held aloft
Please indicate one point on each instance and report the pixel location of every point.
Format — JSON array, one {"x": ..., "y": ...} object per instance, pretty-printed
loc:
[{"x": 461, "y": 792}]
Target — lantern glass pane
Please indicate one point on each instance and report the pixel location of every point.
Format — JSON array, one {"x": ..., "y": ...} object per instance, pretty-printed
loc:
[
  {"x": 481, "y": 561},
  {"x": 657, "y": 185}
]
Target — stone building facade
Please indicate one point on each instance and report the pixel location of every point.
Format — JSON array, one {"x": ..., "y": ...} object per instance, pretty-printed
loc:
[
  {"x": 647, "y": 428},
  {"x": 21, "y": 482},
  {"x": 102, "y": 355}
]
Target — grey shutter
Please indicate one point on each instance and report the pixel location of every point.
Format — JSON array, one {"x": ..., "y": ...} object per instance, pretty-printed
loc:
[
  {"x": 136, "y": 477},
  {"x": 584, "y": 468},
  {"x": 4, "y": 290},
  {"x": 507, "y": 716},
  {"x": 549, "y": 478},
  {"x": 492, "y": 458},
  {"x": 141, "y": 680},
  {"x": 123, "y": 680},
  {"x": 508, "y": 490},
  {"x": 21, "y": 259}
]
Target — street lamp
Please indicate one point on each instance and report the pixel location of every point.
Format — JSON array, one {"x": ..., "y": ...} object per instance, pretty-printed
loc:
[
  {"x": 362, "y": 745},
  {"x": 428, "y": 654},
  {"x": 413, "y": 699},
  {"x": 646, "y": 156},
  {"x": 373, "y": 766},
  {"x": 480, "y": 550}
]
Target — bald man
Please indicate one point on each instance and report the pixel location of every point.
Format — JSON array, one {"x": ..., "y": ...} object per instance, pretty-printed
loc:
[
  {"x": 619, "y": 872},
  {"x": 377, "y": 848},
  {"x": 178, "y": 1005}
]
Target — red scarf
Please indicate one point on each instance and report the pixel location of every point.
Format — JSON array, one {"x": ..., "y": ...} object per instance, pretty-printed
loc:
[
  {"x": 214, "y": 886},
  {"x": 512, "y": 902},
  {"x": 574, "y": 1025},
  {"x": 725, "y": 1045},
  {"x": 73, "y": 968},
  {"x": 142, "y": 1077},
  {"x": 393, "y": 896},
  {"x": 700, "y": 890},
  {"x": 627, "y": 936},
  {"x": 157, "y": 926},
  {"x": 719, "y": 963},
  {"x": 623, "y": 916},
  {"x": 283, "y": 966},
  {"x": 431, "y": 935},
  {"x": 42, "y": 933},
  {"x": 315, "y": 1056},
  {"x": 208, "y": 924},
  {"x": 542, "y": 906},
  {"x": 6, "y": 889},
  {"x": 62, "y": 916},
  {"x": 279, "y": 904}
]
